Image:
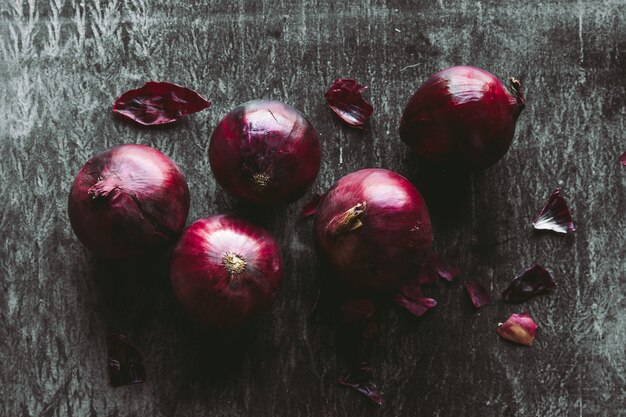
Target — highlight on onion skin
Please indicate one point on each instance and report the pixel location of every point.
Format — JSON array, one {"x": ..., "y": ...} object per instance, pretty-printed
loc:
[
  {"x": 128, "y": 201},
  {"x": 462, "y": 116},
  {"x": 225, "y": 271},
  {"x": 265, "y": 153},
  {"x": 374, "y": 230}
]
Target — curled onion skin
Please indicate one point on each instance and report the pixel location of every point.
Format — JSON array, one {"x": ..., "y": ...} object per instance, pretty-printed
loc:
[
  {"x": 128, "y": 201},
  {"x": 265, "y": 153},
  {"x": 225, "y": 271},
  {"x": 462, "y": 116},
  {"x": 374, "y": 229}
]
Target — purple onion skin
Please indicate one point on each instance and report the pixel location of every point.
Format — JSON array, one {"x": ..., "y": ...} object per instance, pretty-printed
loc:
[
  {"x": 393, "y": 240},
  {"x": 225, "y": 271},
  {"x": 265, "y": 153},
  {"x": 462, "y": 116},
  {"x": 128, "y": 201}
]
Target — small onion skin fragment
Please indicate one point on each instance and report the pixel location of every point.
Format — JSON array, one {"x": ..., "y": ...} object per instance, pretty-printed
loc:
[
  {"x": 265, "y": 153},
  {"x": 519, "y": 328},
  {"x": 434, "y": 267},
  {"x": 158, "y": 103},
  {"x": 310, "y": 208},
  {"x": 225, "y": 271},
  {"x": 463, "y": 117},
  {"x": 128, "y": 201},
  {"x": 555, "y": 215},
  {"x": 374, "y": 229},
  {"x": 622, "y": 159},
  {"x": 344, "y": 98},
  {"x": 125, "y": 361},
  {"x": 534, "y": 281},
  {"x": 413, "y": 300},
  {"x": 447, "y": 272},
  {"x": 478, "y": 294},
  {"x": 361, "y": 379}
]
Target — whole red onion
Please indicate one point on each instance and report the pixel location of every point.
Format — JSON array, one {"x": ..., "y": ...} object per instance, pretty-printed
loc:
[
  {"x": 128, "y": 201},
  {"x": 374, "y": 229},
  {"x": 463, "y": 116},
  {"x": 265, "y": 152},
  {"x": 225, "y": 271}
]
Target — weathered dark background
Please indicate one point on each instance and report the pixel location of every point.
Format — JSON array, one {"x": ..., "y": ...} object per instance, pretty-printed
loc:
[{"x": 63, "y": 63}]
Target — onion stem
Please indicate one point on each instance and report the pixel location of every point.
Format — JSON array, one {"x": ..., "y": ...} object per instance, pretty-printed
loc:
[
  {"x": 260, "y": 181},
  {"x": 234, "y": 263},
  {"x": 103, "y": 187}
]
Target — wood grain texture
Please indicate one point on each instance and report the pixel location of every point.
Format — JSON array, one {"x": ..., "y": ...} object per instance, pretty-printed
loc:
[{"x": 63, "y": 63}]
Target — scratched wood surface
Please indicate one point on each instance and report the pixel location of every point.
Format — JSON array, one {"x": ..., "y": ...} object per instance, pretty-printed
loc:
[{"x": 63, "y": 63}]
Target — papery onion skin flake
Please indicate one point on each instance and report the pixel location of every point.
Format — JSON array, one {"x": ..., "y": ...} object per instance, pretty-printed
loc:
[
  {"x": 265, "y": 153},
  {"x": 158, "y": 103},
  {"x": 374, "y": 229},
  {"x": 360, "y": 378},
  {"x": 463, "y": 117},
  {"x": 434, "y": 267},
  {"x": 555, "y": 215},
  {"x": 345, "y": 99},
  {"x": 622, "y": 159},
  {"x": 412, "y": 299},
  {"x": 128, "y": 201},
  {"x": 225, "y": 271},
  {"x": 478, "y": 294},
  {"x": 448, "y": 272},
  {"x": 310, "y": 208},
  {"x": 519, "y": 328},
  {"x": 125, "y": 361},
  {"x": 534, "y": 281}
]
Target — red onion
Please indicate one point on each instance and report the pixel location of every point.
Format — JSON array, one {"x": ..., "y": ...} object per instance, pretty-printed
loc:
[
  {"x": 225, "y": 271},
  {"x": 265, "y": 152},
  {"x": 463, "y": 116},
  {"x": 374, "y": 229},
  {"x": 128, "y": 201}
]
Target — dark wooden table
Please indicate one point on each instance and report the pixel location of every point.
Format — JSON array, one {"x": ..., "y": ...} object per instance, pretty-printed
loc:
[{"x": 63, "y": 63}]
